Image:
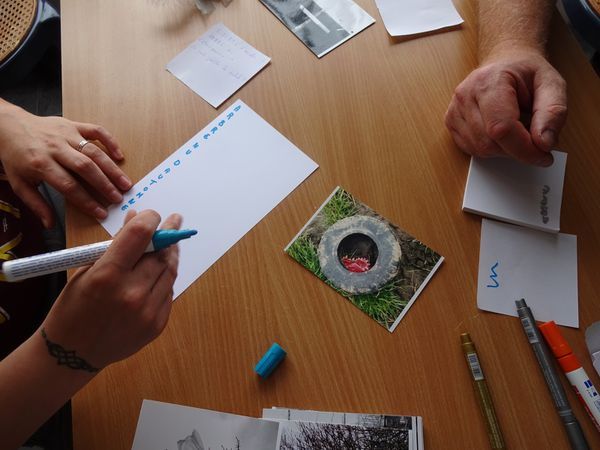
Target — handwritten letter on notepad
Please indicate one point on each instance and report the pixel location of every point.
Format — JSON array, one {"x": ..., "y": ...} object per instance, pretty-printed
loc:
[
  {"x": 223, "y": 181},
  {"x": 217, "y": 64}
]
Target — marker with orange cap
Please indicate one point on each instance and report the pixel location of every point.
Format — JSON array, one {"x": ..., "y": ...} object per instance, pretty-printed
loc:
[{"x": 572, "y": 368}]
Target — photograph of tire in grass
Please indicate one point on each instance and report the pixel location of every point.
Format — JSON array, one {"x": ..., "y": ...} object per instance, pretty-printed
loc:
[{"x": 373, "y": 263}]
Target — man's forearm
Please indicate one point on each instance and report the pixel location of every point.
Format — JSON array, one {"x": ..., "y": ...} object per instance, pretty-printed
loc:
[{"x": 506, "y": 25}]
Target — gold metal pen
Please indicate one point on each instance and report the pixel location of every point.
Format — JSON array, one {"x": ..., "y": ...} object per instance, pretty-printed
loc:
[{"x": 482, "y": 392}]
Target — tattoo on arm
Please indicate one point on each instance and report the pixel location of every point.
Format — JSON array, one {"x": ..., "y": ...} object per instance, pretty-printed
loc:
[{"x": 67, "y": 357}]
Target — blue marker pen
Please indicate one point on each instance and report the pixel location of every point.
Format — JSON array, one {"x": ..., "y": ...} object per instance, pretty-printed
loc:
[{"x": 38, "y": 265}]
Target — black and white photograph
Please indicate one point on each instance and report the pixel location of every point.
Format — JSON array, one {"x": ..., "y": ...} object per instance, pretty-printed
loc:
[
  {"x": 410, "y": 426},
  {"x": 321, "y": 24},
  {"x": 166, "y": 426},
  {"x": 327, "y": 436}
]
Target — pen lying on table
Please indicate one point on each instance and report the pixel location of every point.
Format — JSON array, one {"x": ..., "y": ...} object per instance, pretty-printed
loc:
[
  {"x": 482, "y": 391},
  {"x": 534, "y": 336},
  {"x": 38, "y": 265}
]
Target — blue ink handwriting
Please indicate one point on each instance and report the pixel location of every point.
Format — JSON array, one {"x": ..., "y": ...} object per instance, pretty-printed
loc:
[
  {"x": 162, "y": 172},
  {"x": 493, "y": 276}
]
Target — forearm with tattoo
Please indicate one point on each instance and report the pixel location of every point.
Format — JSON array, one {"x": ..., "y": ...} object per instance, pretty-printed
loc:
[{"x": 67, "y": 357}]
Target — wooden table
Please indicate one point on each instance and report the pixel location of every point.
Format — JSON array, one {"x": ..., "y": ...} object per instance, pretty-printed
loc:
[{"x": 371, "y": 114}]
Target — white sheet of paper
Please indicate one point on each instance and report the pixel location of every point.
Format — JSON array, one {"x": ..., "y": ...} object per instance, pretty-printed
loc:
[
  {"x": 217, "y": 64},
  {"x": 507, "y": 190},
  {"x": 223, "y": 181},
  {"x": 517, "y": 262},
  {"x": 406, "y": 17},
  {"x": 162, "y": 425}
]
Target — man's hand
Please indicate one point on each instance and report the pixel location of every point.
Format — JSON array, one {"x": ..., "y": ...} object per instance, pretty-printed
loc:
[
  {"x": 489, "y": 112},
  {"x": 35, "y": 149},
  {"x": 110, "y": 310}
]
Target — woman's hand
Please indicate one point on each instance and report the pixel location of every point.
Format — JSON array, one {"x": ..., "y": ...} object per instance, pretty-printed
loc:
[
  {"x": 35, "y": 149},
  {"x": 110, "y": 310}
]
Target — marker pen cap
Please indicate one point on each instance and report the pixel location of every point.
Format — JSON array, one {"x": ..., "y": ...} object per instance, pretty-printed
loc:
[
  {"x": 569, "y": 363},
  {"x": 555, "y": 340},
  {"x": 270, "y": 360}
]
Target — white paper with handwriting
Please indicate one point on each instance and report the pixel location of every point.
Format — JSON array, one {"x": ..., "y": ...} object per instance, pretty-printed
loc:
[
  {"x": 223, "y": 181},
  {"x": 507, "y": 190},
  {"x": 408, "y": 17},
  {"x": 217, "y": 64},
  {"x": 517, "y": 262}
]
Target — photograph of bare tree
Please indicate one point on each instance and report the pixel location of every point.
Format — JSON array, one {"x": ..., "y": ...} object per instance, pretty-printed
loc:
[
  {"x": 409, "y": 428},
  {"x": 324, "y": 436}
]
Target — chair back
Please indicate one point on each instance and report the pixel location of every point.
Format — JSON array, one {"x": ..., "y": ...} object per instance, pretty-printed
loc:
[{"x": 16, "y": 19}]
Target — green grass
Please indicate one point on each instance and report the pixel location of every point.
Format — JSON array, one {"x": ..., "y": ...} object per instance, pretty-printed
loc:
[
  {"x": 384, "y": 306},
  {"x": 340, "y": 206},
  {"x": 305, "y": 252}
]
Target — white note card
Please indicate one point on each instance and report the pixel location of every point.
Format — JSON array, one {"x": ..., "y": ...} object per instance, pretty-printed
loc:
[
  {"x": 517, "y": 262},
  {"x": 406, "y": 17},
  {"x": 507, "y": 190},
  {"x": 217, "y": 64},
  {"x": 223, "y": 181}
]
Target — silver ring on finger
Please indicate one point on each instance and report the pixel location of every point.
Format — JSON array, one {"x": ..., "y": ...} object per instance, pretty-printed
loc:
[{"x": 82, "y": 144}]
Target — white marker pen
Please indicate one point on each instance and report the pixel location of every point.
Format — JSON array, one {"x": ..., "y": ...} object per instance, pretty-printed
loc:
[
  {"x": 38, "y": 265},
  {"x": 572, "y": 368}
]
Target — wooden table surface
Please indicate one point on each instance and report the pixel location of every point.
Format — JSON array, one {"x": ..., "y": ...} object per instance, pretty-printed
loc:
[{"x": 370, "y": 113}]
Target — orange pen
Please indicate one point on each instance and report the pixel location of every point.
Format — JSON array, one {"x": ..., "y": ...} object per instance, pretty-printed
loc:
[{"x": 581, "y": 383}]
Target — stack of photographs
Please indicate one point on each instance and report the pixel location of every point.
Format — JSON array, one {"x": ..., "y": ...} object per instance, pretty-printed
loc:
[
  {"x": 167, "y": 426},
  {"x": 306, "y": 429}
]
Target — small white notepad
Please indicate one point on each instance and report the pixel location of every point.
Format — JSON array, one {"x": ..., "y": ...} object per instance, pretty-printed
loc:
[
  {"x": 223, "y": 181},
  {"x": 507, "y": 190},
  {"x": 517, "y": 262},
  {"x": 408, "y": 17},
  {"x": 217, "y": 64}
]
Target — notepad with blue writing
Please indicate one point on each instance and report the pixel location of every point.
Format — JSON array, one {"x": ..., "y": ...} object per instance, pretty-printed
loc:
[{"x": 517, "y": 262}]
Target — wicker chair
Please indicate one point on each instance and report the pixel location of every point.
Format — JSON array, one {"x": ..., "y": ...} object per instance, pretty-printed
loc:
[{"x": 27, "y": 29}]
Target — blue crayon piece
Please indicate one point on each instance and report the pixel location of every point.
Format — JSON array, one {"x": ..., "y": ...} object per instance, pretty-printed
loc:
[{"x": 270, "y": 360}]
